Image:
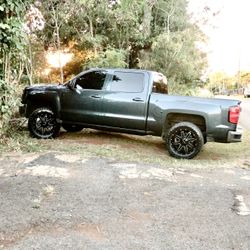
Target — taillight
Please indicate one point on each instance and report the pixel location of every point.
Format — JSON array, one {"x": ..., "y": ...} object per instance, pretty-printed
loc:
[{"x": 234, "y": 114}]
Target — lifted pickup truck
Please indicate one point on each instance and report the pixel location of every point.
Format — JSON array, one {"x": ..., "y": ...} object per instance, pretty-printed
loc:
[{"x": 130, "y": 101}]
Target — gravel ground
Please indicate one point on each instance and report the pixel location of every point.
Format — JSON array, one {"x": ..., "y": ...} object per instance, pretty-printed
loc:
[{"x": 63, "y": 201}]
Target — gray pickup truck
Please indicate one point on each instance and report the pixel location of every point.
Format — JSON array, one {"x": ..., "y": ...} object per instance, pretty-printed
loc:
[{"x": 130, "y": 101}]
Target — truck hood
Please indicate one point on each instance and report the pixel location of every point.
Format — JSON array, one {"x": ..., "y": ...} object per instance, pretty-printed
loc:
[
  {"x": 41, "y": 88},
  {"x": 44, "y": 87}
]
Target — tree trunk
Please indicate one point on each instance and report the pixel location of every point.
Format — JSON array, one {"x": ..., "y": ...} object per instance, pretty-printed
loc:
[
  {"x": 169, "y": 15},
  {"x": 147, "y": 17},
  {"x": 59, "y": 50},
  {"x": 58, "y": 43},
  {"x": 29, "y": 65}
]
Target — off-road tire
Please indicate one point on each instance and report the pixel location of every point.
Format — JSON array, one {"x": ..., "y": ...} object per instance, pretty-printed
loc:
[
  {"x": 184, "y": 140},
  {"x": 42, "y": 124}
]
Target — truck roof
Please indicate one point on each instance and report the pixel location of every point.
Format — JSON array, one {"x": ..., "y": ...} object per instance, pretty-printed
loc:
[{"x": 125, "y": 69}]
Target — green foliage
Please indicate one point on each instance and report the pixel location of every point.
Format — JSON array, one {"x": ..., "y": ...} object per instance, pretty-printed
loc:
[
  {"x": 11, "y": 47},
  {"x": 176, "y": 56},
  {"x": 10, "y": 24},
  {"x": 182, "y": 89},
  {"x": 244, "y": 78},
  {"x": 157, "y": 34},
  {"x": 112, "y": 58},
  {"x": 20, "y": 141},
  {"x": 220, "y": 82},
  {"x": 8, "y": 102}
]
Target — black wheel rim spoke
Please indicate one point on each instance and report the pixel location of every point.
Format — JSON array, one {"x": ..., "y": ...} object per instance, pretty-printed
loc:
[
  {"x": 186, "y": 149},
  {"x": 179, "y": 147}
]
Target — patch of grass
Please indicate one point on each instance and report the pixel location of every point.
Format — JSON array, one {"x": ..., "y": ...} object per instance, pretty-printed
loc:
[
  {"x": 131, "y": 148},
  {"x": 20, "y": 141},
  {"x": 148, "y": 149}
]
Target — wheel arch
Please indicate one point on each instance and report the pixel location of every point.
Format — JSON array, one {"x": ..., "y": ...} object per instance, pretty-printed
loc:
[
  {"x": 49, "y": 100},
  {"x": 176, "y": 117}
]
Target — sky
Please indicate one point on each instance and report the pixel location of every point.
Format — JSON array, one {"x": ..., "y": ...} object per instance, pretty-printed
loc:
[{"x": 228, "y": 33}]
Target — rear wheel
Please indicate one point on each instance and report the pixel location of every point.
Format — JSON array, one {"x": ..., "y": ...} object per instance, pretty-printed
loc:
[
  {"x": 72, "y": 127},
  {"x": 42, "y": 124},
  {"x": 184, "y": 140}
]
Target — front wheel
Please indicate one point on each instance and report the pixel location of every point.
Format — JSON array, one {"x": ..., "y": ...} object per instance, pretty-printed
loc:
[
  {"x": 42, "y": 124},
  {"x": 184, "y": 140}
]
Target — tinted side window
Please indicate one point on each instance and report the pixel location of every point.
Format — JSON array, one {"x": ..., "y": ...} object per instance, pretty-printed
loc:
[
  {"x": 127, "y": 82},
  {"x": 91, "y": 80},
  {"x": 160, "y": 84}
]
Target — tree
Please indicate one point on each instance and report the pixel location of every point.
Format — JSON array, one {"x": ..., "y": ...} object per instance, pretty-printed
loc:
[
  {"x": 33, "y": 21},
  {"x": 111, "y": 58},
  {"x": 57, "y": 13},
  {"x": 245, "y": 78},
  {"x": 11, "y": 57},
  {"x": 221, "y": 82},
  {"x": 156, "y": 34},
  {"x": 174, "y": 50}
]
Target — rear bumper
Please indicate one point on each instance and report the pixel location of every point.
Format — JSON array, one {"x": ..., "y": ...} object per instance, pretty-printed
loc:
[
  {"x": 235, "y": 136},
  {"x": 22, "y": 109}
]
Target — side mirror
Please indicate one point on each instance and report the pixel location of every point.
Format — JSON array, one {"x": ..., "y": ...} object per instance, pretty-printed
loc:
[
  {"x": 116, "y": 78},
  {"x": 71, "y": 84}
]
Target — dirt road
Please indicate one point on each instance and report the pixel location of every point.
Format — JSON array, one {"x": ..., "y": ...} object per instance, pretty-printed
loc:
[{"x": 65, "y": 201}]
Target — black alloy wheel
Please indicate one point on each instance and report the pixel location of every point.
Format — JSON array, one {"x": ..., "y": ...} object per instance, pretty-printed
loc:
[
  {"x": 184, "y": 140},
  {"x": 42, "y": 124}
]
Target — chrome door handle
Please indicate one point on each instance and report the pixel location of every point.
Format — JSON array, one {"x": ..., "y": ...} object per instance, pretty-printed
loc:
[{"x": 137, "y": 99}]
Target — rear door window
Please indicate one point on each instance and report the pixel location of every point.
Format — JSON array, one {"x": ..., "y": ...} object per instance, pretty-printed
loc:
[{"x": 130, "y": 82}]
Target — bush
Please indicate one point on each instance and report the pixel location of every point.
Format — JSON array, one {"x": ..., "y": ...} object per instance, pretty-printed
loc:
[
  {"x": 111, "y": 58},
  {"x": 188, "y": 89},
  {"x": 9, "y": 103}
]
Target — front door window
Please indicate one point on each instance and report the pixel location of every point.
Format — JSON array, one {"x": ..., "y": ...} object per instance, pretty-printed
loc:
[
  {"x": 92, "y": 80},
  {"x": 84, "y": 103}
]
